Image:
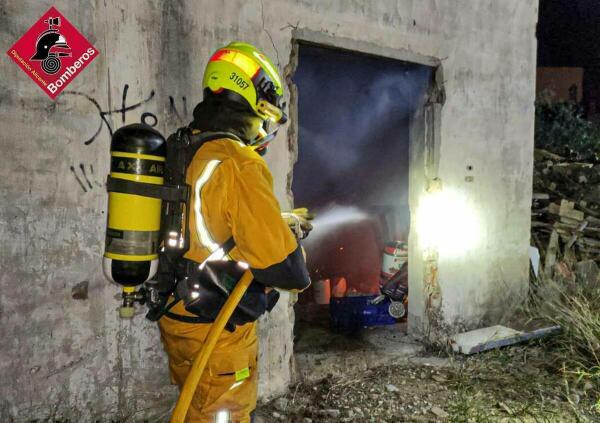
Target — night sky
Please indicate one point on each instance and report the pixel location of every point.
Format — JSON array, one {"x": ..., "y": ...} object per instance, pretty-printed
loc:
[{"x": 568, "y": 33}]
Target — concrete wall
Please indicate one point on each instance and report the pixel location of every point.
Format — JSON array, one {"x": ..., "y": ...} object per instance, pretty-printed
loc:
[{"x": 74, "y": 358}]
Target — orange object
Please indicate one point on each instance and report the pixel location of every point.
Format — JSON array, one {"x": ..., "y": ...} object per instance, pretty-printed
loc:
[{"x": 338, "y": 287}]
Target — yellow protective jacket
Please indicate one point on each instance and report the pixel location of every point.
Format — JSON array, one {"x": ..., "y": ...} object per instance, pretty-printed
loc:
[{"x": 232, "y": 195}]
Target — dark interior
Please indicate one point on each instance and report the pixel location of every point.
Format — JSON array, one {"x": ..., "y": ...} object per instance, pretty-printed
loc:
[{"x": 354, "y": 118}]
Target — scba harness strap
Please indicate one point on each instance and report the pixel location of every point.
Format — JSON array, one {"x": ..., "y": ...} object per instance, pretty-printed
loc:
[
  {"x": 167, "y": 193},
  {"x": 203, "y": 287}
]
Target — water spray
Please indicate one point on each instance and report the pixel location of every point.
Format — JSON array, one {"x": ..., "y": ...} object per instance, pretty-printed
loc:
[{"x": 333, "y": 218}]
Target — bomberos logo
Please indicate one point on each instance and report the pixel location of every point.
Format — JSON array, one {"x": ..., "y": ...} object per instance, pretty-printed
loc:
[{"x": 52, "y": 52}]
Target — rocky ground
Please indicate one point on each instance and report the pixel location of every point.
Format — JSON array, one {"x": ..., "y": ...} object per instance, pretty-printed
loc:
[{"x": 510, "y": 385}]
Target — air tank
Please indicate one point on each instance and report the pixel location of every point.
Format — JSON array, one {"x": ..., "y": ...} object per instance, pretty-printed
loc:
[{"x": 133, "y": 224}]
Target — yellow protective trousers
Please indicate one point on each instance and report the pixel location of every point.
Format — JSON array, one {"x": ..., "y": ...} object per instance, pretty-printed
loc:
[{"x": 227, "y": 388}]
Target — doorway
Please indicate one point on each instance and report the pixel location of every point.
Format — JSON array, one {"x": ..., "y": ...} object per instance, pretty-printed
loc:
[{"x": 356, "y": 112}]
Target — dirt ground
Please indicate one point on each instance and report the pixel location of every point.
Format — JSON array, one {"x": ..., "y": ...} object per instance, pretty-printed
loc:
[{"x": 509, "y": 385}]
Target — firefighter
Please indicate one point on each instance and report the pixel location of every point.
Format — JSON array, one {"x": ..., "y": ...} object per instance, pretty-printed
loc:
[{"x": 232, "y": 196}]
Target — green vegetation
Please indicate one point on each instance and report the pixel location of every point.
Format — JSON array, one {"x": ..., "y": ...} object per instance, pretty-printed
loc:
[
  {"x": 572, "y": 303},
  {"x": 560, "y": 128}
]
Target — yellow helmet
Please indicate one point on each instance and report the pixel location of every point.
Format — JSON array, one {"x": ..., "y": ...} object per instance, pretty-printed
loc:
[{"x": 241, "y": 72}]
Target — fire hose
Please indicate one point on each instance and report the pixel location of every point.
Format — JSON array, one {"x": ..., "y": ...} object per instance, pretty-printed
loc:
[
  {"x": 199, "y": 364},
  {"x": 298, "y": 221}
]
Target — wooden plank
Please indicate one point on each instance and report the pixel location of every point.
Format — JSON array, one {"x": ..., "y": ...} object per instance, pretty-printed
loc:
[
  {"x": 551, "y": 252},
  {"x": 541, "y": 196},
  {"x": 589, "y": 242},
  {"x": 571, "y": 221},
  {"x": 577, "y": 234},
  {"x": 567, "y": 209},
  {"x": 541, "y": 154},
  {"x": 554, "y": 208},
  {"x": 587, "y": 210}
]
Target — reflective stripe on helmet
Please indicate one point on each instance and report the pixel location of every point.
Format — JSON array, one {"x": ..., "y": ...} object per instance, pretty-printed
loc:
[
  {"x": 245, "y": 63},
  {"x": 201, "y": 229},
  {"x": 273, "y": 74}
]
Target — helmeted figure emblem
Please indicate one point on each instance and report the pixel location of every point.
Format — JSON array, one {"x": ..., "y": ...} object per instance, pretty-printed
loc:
[{"x": 50, "y": 46}]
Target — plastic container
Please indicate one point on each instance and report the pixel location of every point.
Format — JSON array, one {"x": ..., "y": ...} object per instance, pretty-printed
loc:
[
  {"x": 395, "y": 255},
  {"x": 322, "y": 291},
  {"x": 349, "y": 314}
]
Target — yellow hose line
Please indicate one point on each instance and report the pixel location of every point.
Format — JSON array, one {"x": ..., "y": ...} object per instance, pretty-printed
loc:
[{"x": 191, "y": 382}]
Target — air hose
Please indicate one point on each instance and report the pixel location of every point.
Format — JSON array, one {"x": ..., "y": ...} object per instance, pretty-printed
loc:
[{"x": 193, "y": 378}]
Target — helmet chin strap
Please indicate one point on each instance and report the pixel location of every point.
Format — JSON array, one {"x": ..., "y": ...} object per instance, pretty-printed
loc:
[
  {"x": 273, "y": 115},
  {"x": 264, "y": 137},
  {"x": 262, "y": 140}
]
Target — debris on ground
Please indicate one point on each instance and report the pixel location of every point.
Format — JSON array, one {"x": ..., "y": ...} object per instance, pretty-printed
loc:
[
  {"x": 498, "y": 336},
  {"x": 512, "y": 384},
  {"x": 566, "y": 209},
  {"x": 564, "y": 292}
]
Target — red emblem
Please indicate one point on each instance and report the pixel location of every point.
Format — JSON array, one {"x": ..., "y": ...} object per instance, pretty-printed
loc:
[{"x": 53, "y": 52}]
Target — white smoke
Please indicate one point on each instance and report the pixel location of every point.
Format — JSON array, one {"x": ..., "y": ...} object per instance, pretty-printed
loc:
[{"x": 331, "y": 219}]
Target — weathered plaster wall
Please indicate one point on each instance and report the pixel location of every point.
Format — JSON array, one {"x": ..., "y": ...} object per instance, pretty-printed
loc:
[{"x": 74, "y": 358}]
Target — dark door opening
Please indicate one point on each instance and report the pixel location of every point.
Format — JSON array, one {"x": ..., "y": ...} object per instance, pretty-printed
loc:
[{"x": 355, "y": 114}]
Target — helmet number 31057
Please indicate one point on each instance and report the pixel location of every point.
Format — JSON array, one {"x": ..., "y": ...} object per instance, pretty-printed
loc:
[{"x": 238, "y": 80}]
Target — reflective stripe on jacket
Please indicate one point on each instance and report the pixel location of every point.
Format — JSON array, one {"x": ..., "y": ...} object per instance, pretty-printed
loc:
[{"x": 232, "y": 195}]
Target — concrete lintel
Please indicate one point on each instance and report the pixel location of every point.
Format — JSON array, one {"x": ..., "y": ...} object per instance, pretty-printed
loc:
[{"x": 324, "y": 39}]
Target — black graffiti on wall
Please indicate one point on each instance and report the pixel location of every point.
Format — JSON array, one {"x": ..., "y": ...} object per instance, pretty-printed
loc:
[
  {"x": 146, "y": 117},
  {"x": 104, "y": 114},
  {"x": 85, "y": 178},
  {"x": 173, "y": 108}
]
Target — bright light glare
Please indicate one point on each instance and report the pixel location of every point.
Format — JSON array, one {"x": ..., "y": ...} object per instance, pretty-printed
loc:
[
  {"x": 222, "y": 417},
  {"x": 446, "y": 222},
  {"x": 218, "y": 254},
  {"x": 235, "y": 385}
]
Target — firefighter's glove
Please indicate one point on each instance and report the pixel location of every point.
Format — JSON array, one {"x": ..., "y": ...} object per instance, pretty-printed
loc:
[{"x": 299, "y": 222}]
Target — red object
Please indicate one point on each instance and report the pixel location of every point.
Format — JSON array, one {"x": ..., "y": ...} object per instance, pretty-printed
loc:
[
  {"x": 52, "y": 52},
  {"x": 390, "y": 249}
]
